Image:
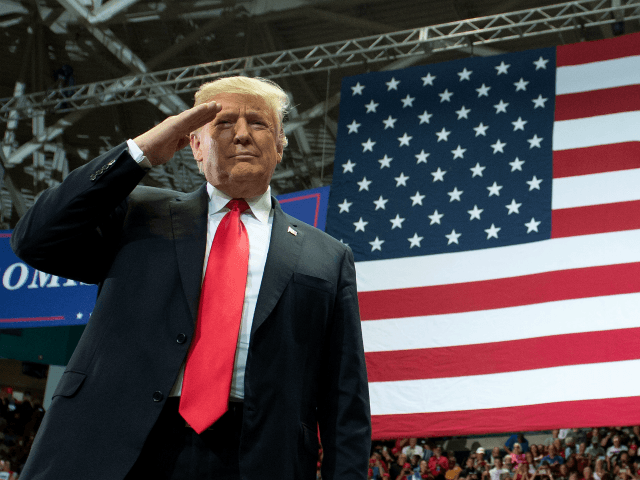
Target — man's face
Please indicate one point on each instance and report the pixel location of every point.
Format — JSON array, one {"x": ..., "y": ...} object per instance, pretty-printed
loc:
[
  {"x": 413, "y": 442},
  {"x": 238, "y": 149},
  {"x": 552, "y": 451},
  {"x": 402, "y": 459},
  {"x": 616, "y": 441},
  {"x": 498, "y": 463}
]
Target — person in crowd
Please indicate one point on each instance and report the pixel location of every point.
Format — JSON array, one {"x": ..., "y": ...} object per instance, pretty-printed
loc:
[
  {"x": 531, "y": 463},
  {"x": 572, "y": 464},
  {"x": 624, "y": 468},
  {"x": 216, "y": 384},
  {"x": 521, "y": 472},
  {"x": 552, "y": 458},
  {"x": 517, "y": 457},
  {"x": 413, "y": 448},
  {"x": 495, "y": 453},
  {"x": 595, "y": 450},
  {"x": 377, "y": 464},
  {"x": 438, "y": 464},
  {"x": 427, "y": 452},
  {"x": 570, "y": 447},
  {"x": 424, "y": 469},
  {"x": 454, "y": 470},
  {"x": 587, "y": 473},
  {"x": 617, "y": 447},
  {"x": 469, "y": 471},
  {"x": 498, "y": 472},
  {"x": 582, "y": 459},
  {"x": 537, "y": 454},
  {"x": 563, "y": 472},
  {"x": 479, "y": 461},
  {"x": 554, "y": 435},
  {"x": 557, "y": 444},
  {"x": 396, "y": 468},
  {"x": 600, "y": 472},
  {"x": 508, "y": 463},
  {"x": 516, "y": 438}
]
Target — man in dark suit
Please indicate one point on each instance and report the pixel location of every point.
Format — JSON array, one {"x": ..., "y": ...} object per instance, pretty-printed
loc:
[{"x": 119, "y": 410}]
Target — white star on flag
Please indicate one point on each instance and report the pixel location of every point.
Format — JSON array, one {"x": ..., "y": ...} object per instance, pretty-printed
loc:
[
  {"x": 455, "y": 194},
  {"x": 376, "y": 244},
  {"x": 371, "y": 106},
  {"x": 519, "y": 124},
  {"x": 401, "y": 180},
  {"x": 463, "y": 112},
  {"x": 521, "y": 84},
  {"x": 385, "y": 162},
  {"x": 492, "y": 231},
  {"x": 407, "y": 101},
  {"x": 424, "y": 117},
  {"x": 443, "y": 134},
  {"x": 389, "y": 122},
  {"x": 415, "y": 240},
  {"x": 435, "y": 218},
  {"x": 541, "y": 63},
  {"x": 417, "y": 199},
  {"x": 535, "y": 141},
  {"x": 396, "y": 222},
  {"x": 481, "y": 129},
  {"x": 353, "y": 127},
  {"x": 453, "y": 237},
  {"x": 501, "y": 107},
  {"x": 532, "y": 226},
  {"x": 502, "y": 68},
  {"x": 428, "y": 79},
  {"x": 458, "y": 152},
  {"x": 477, "y": 170},
  {"x": 513, "y": 207},
  {"x": 357, "y": 89},
  {"x": 516, "y": 164},
  {"x": 475, "y": 212},
  {"x": 392, "y": 84},
  {"x": 483, "y": 91},
  {"x": 539, "y": 102},
  {"x": 348, "y": 166},
  {"x": 438, "y": 175},
  {"x": 465, "y": 74},
  {"x": 364, "y": 184},
  {"x": 445, "y": 96},
  {"x": 404, "y": 139},
  {"x": 360, "y": 224},
  {"x": 422, "y": 156},
  {"x": 498, "y": 146},
  {"x": 380, "y": 203},
  {"x": 494, "y": 189},
  {"x": 344, "y": 206},
  {"x": 534, "y": 183},
  {"x": 368, "y": 146}
]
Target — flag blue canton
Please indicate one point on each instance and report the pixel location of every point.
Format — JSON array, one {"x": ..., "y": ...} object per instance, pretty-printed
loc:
[{"x": 446, "y": 157}]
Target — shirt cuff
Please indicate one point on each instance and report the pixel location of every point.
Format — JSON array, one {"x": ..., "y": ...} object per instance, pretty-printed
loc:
[{"x": 138, "y": 155}]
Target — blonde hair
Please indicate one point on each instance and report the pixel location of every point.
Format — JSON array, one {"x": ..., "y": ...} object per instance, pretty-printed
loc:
[{"x": 269, "y": 91}]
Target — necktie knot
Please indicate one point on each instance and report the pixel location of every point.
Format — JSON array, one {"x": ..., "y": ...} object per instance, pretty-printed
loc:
[{"x": 237, "y": 204}]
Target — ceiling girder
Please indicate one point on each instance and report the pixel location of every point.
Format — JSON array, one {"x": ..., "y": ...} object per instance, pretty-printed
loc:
[{"x": 464, "y": 34}]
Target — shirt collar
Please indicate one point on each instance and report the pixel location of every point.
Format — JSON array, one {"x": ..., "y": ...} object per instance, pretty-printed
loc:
[{"x": 260, "y": 205}]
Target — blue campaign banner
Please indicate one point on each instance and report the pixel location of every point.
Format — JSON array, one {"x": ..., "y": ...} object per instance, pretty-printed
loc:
[
  {"x": 310, "y": 206},
  {"x": 30, "y": 298}
]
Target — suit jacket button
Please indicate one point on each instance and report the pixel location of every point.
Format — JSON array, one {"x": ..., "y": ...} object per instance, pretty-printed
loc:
[
  {"x": 157, "y": 396},
  {"x": 181, "y": 338}
]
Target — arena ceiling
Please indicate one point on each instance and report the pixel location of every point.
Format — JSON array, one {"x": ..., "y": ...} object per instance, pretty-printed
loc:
[{"x": 304, "y": 45}]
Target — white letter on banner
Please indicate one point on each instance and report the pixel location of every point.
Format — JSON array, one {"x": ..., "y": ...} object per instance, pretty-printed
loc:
[
  {"x": 44, "y": 278},
  {"x": 6, "y": 278}
]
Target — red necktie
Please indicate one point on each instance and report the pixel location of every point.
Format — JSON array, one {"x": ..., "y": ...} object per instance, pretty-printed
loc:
[{"x": 207, "y": 376}]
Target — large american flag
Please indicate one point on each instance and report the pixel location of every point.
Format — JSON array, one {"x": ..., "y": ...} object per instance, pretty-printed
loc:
[{"x": 493, "y": 208}]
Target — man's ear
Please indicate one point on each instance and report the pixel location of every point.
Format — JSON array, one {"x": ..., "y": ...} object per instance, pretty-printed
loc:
[
  {"x": 194, "y": 141},
  {"x": 279, "y": 151}
]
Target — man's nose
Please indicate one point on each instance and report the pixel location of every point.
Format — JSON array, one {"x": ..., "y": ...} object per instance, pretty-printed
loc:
[{"x": 242, "y": 134}]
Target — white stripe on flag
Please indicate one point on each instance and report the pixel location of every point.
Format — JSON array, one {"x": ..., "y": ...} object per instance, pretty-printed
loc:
[
  {"x": 598, "y": 75},
  {"x": 596, "y": 189},
  {"x": 511, "y": 261},
  {"x": 470, "y": 328},
  {"x": 510, "y": 389},
  {"x": 598, "y": 130}
]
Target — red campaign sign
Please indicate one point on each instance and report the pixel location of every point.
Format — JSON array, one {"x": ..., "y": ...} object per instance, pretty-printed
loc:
[{"x": 30, "y": 298}]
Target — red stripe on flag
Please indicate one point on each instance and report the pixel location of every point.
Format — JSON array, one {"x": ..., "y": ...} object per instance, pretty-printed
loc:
[
  {"x": 608, "y": 217},
  {"x": 597, "y": 102},
  {"x": 608, "y": 49},
  {"x": 501, "y": 293},
  {"x": 30, "y": 319},
  {"x": 499, "y": 357},
  {"x": 586, "y": 413},
  {"x": 598, "y": 159}
]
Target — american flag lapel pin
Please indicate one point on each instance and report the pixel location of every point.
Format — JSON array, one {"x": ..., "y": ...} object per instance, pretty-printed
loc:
[{"x": 292, "y": 231}]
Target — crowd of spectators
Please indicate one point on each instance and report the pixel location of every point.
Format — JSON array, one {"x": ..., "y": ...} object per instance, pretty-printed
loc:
[
  {"x": 19, "y": 422},
  {"x": 568, "y": 454}
]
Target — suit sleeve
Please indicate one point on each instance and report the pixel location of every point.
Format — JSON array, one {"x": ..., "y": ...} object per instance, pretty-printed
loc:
[
  {"x": 343, "y": 408},
  {"x": 72, "y": 229}
]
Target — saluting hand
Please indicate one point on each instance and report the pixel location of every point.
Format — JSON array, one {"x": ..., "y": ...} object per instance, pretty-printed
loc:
[{"x": 161, "y": 142}]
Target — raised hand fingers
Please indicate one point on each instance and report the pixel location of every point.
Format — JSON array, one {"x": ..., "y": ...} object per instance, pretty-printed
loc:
[{"x": 198, "y": 116}]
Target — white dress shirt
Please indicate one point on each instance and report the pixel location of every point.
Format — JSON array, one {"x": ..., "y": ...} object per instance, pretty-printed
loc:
[{"x": 258, "y": 221}]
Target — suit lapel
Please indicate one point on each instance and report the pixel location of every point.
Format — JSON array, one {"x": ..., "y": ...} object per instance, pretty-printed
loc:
[
  {"x": 284, "y": 250},
  {"x": 189, "y": 215}
]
